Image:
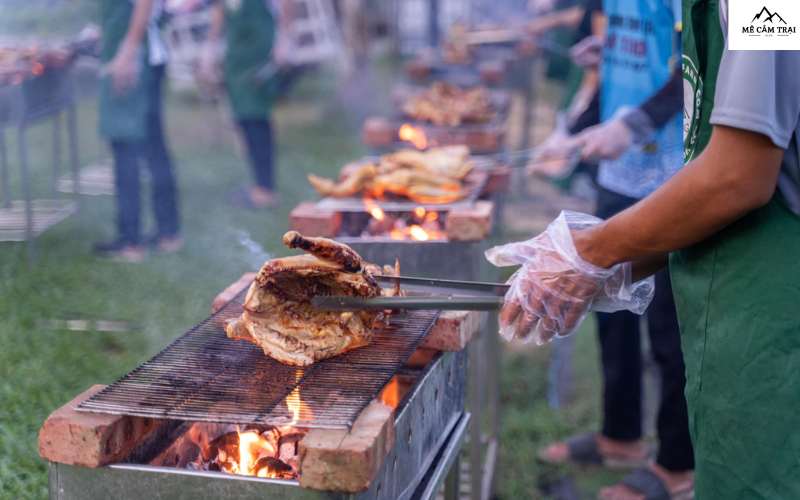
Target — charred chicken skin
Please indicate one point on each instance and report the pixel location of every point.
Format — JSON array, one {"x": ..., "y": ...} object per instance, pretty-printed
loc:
[{"x": 278, "y": 316}]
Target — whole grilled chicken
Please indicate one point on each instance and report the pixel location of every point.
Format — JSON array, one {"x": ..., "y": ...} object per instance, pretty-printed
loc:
[{"x": 278, "y": 315}]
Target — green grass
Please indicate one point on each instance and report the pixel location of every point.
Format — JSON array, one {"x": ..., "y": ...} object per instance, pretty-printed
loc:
[{"x": 40, "y": 368}]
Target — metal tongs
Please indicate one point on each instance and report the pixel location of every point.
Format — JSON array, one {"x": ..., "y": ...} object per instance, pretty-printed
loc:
[{"x": 425, "y": 293}]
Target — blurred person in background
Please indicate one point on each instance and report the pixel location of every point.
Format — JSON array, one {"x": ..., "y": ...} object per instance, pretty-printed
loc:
[
  {"x": 639, "y": 146},
  {"x": 249, "y": 72},
  {"x": 728, "y": 226},
  {"x": 131, "y": 120}
]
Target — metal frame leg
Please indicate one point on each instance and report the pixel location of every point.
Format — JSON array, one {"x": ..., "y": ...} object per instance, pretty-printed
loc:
[
  {"x": 56, "y": 150},
  {"x": 476, "y": 387},
  {"x": 72, "y": 137},
  {"x": 26, "y": 187},
  {"x": 5, "y": 189}
]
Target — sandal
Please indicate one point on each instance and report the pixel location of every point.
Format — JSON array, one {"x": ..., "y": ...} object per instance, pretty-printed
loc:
[
  {"x": 240, "y": 198},
  {"x": 583, "y": 450},
  {"x": 646, "y": 482}
]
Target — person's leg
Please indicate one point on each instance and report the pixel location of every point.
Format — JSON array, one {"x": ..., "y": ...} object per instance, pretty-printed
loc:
[
  {"x": 621, "y": 359},
  {"x": 159, "y": 162},
  {"x": 258, "y": 138},
  {"x": 620, "y": 353},
  {"x": 126, "y": 179},
  {"x": 675, "y": 445}
]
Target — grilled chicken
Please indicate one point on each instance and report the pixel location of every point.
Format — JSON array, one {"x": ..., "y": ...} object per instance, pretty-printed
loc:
[
  {"x": 433, "y": 176},
  {"x": 446, "y": 104},
  {"x": 279, "y": 318}
]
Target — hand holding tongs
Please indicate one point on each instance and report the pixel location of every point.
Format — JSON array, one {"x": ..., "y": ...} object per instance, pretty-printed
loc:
[{"x": 433, "y": 294}]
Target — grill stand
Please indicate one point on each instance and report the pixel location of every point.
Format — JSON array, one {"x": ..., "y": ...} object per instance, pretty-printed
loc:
[
  {"x": 458, "y": 260},
  {"x": 422, "y": 435},
  {"x": 49, "y": 96}
]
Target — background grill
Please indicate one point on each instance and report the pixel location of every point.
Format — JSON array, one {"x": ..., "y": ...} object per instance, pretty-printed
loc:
[{"x": 205, "y": 376}]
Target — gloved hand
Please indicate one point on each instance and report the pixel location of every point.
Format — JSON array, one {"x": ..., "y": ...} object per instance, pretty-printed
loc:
[
  {"x": 610, "y": 139},
  {"x": 588, "y": 52},
  {"x": 555, "y": 288},
  {"x": 606, "y": 141},
  {"x": 551, "y": 156}
]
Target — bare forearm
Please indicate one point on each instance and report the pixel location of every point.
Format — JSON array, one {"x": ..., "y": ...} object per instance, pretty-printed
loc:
[
  {"x": 735, "y": 175},
  {"x": 138, "y": 24},
  {"x": 217, "y": 22},
  {"x": 568, "y": 17}
]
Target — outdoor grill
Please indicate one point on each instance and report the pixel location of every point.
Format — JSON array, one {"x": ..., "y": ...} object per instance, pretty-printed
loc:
[
  {"x": 457, "y": 253},
  {"x": 36, "y": 85},
  {"x": 386, "y": 133},
  {"x": 488, "y": 65},
  {"x": 385, "y": 421}
]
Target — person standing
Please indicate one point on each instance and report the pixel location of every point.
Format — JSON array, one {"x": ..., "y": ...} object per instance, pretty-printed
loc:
[
  {"x": 639, "y": 146},
  {"x": 728, "y": 225},
  {"x": 131, "y": 120},
  {"x": 249, "y": 74}
]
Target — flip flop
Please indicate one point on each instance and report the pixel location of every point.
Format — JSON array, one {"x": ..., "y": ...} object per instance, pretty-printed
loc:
[
  {"x": 240, "y": 198},
  {"x": 583, "y": 450},
  {"x": 646, "y": 482}
]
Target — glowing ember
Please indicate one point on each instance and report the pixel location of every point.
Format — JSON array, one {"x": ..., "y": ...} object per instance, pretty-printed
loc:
[
  {"x": 420, "y": 213},
  {"x": 414, "y": 135},
  {"x": 418, "y": 233},
  {"x": 256, "y": 450},
  {"x": 374, "y": 210},
  {"x": 37, "y": 68}
]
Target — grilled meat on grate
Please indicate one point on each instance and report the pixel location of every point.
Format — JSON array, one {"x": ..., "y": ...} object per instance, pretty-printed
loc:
[{"x": 279, "y": 318}]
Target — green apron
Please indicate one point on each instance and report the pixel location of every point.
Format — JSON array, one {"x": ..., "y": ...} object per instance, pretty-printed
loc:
[
  {"x": 122, "y": 116},
  {"x": 250, "y": 33},
  {"x": 738, "y": 298}
]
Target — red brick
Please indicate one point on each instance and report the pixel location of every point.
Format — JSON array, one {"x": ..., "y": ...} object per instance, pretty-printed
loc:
[
  {"x": 378, "y": 132},
  {"x": 472, "y": 223},
  {"x": 453, "y": 331},
  {"x": 338, "y": 460},
  {"x": 232, "y": 291},
  {"x": 499, "y": 179},
  {"x": 310, "y": 220},
  {"x": 91, "y": 439}
]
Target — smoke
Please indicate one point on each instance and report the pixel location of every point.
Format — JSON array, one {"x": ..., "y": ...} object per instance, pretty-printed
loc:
[{"x": 256, "y": 253}]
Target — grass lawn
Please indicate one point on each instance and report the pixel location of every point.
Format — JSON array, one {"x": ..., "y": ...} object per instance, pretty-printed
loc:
[{"x": 42, "y": 368}]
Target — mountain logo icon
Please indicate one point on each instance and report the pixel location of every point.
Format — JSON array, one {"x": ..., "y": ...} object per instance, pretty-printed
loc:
[{"x": 765, "y": 15}]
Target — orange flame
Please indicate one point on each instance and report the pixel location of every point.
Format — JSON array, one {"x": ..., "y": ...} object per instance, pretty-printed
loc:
[
  {"x": 420, "y": 213},
  {"x": 252, "y": 446},
  {"x": 294, "y": 403},
  {"x": 390, "y": 395},
  {"x": 418, "y": 233},
  {"x": 414, "y": 135},
  {"x": 374, "y": 210}
]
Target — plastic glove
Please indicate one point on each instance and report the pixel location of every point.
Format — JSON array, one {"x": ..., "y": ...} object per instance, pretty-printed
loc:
[
  {"x": 555, "y": 288},
  {"x": 606, "y": 141},
  {"x": 551, "y": 157},
  {"x": 588, "y": 52}
]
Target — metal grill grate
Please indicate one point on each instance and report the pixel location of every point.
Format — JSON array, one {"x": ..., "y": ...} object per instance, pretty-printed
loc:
[{"x": 205, "y": 376}]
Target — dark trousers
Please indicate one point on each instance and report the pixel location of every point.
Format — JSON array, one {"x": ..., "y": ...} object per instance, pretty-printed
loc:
[
  {"x": 258, "y": 137},
  {"x": 620, "y": 346},
  {"x": 128, "y": 156}
]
